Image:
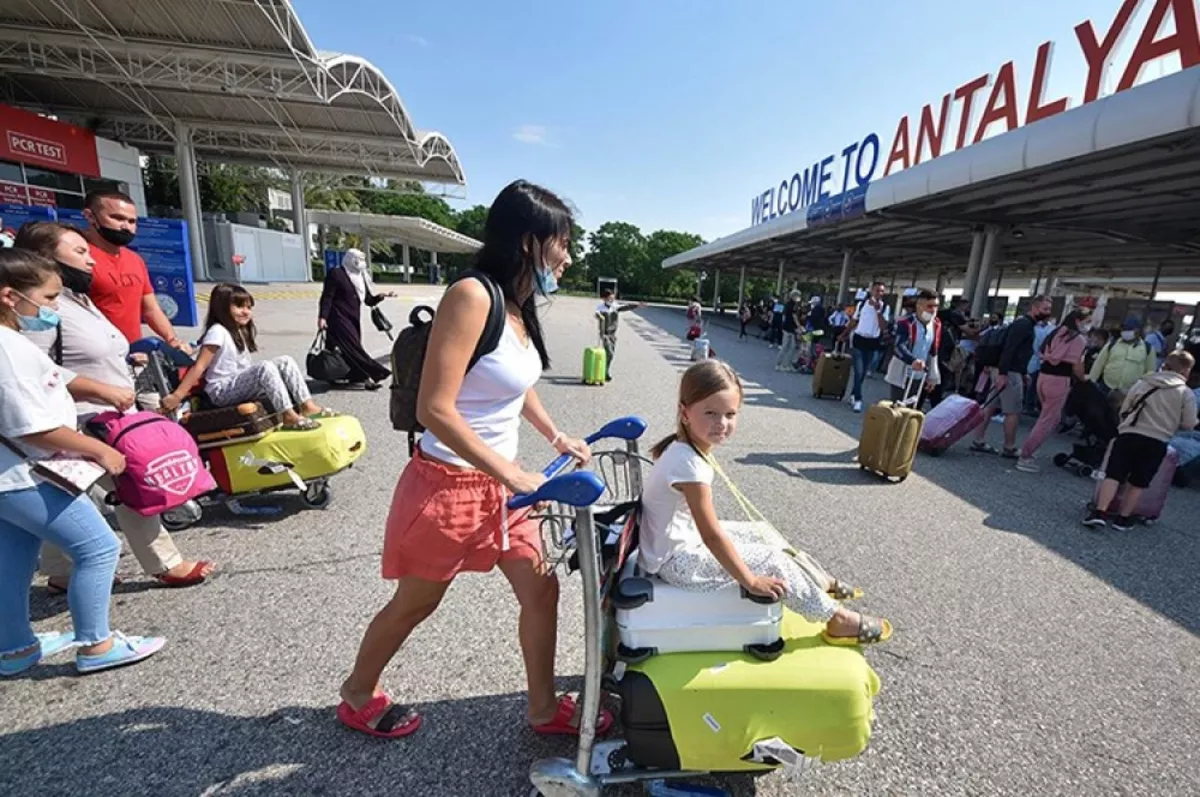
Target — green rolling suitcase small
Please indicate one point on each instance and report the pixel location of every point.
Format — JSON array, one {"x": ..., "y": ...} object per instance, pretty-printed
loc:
[{"x": 594, "y": 365}]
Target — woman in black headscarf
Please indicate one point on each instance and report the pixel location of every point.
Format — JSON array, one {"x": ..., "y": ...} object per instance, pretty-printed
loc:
[{"x": 346, "y": 290}]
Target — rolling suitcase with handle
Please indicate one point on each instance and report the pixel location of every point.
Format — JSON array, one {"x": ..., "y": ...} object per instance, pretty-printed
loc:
[
  {"x": 595, "y": 363},
  {"x": 951, "y": 421},
  {"x": 890, "y": 434},
  {"x": 1154, "y": 498},
  {"x": 832, "y": 374}
]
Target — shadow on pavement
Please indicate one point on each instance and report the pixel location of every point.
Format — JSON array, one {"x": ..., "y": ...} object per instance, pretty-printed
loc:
[
  {"x": 1155, "y": 566},
  {"x": 465, "y": 747}
]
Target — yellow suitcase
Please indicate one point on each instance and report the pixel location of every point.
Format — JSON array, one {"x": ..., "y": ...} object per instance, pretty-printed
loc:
[{"x": 288, "y": 458}]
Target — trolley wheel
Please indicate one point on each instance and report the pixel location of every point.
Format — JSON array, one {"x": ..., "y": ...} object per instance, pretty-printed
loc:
[
  {"x": 1061, "y": 459},
  {"x": 182, "y": 517},
  {"x": 936, "y": 452},
  {"x": 1085, "y": 471},
  {"x": 634, "y": 655},
  {"x": 317, "y": 495}
]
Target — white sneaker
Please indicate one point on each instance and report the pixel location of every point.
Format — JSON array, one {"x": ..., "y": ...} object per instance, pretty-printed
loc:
[
  {"x": 858, "y": 406},
  {"x": 1028, "y": 465}
]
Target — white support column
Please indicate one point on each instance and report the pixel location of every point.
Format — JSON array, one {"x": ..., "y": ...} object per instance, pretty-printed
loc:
[
  {"x": 366, "y": 247},
  {"x": 844, "y": 279},
  {"x": 300, "y": 220},
  {"x": 189, "y": 198},
  {"x": 742, "y": 288},
  {"x": 779, "y": 279},
  {"x": 716, "y": 288},
  {"x": 977, "y": 244},
  {"x": 406, "y": 262},
  {"x": 435, "y": 272},
  {"x": 1052, "y": 284},
  {"x": 940, "y": 286},
  {"x": 983, "y": 278}
]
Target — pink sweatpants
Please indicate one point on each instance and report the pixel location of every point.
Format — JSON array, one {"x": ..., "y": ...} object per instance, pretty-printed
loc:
[{"x": 1052, "y": 392}]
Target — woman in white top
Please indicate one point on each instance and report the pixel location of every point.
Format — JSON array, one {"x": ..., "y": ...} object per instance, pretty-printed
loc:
[
  {"x": 37, "y": 422},
  {"x": 87, "y": 344},
  {"x": 231, "y": 377},
  {"x": 448, "y": 512}
]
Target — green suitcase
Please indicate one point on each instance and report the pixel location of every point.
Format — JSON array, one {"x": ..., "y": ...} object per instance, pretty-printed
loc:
[{"x": 594, "y": 366}]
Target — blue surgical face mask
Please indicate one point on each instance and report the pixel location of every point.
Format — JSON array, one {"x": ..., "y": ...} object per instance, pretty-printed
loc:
[
  {"x": 45, "y": 319},
  {"x": 547, "y": 282}
]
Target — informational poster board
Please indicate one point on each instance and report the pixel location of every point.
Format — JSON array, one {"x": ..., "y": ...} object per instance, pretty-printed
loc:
[
  {"x": 164, "y": 245},
  {"x": 13, "y": 216}
]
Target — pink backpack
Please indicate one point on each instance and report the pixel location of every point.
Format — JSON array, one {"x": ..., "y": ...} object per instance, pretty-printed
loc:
[{"x": 163, "y": 469}]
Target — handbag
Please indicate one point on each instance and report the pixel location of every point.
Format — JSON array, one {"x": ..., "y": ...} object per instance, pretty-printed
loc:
[
  {"x": 71, "y": 473},
  {"x": 326, "y": 364},
  {"x": 381, "y": 322}
]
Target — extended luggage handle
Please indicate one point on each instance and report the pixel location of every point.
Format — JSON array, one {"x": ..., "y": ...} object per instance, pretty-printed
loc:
[
  {"x": 576, "y": 492},
  {"x": 912, "y": 398}
]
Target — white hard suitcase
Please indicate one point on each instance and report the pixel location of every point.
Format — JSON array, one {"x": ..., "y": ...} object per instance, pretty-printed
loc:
[
  {"x": 700, "y": 349},
  {"x": 653, "y": 617}
]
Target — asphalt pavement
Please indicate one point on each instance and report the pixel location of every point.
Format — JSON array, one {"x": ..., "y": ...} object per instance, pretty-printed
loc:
[{"x": 1030, "y": 656}]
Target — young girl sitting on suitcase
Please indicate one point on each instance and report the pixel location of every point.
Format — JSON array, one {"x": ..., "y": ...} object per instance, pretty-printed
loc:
[
  {"x": 682, "y": 541},
  {"x": 231, "y": 377}
]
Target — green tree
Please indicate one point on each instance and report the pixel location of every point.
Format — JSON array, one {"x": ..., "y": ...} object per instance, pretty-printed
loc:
[
  {"x": 672, "y": 283},
  {"x": 617, "y": 249}
]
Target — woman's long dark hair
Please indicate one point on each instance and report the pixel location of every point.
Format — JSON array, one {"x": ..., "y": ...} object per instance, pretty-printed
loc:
[
  {"x": 1070, "y": 324},
  {"x": 220, "y": 311},
  {"x": 521, "y": 214}
]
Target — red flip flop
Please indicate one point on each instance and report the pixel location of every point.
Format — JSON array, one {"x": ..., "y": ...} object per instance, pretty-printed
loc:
[
  {"x": 197, "y": 575},
  {"x": 561, "y": 724},
  {"x": 396, "y": 721}
]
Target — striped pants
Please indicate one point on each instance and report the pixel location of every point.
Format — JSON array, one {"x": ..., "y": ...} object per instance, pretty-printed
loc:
[{"x": 278, "y": 382}]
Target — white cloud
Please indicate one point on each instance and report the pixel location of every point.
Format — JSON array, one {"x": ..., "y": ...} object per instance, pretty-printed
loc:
[
  {"x": 420, "y": 41},
  {"x": 531, "y": 134}
]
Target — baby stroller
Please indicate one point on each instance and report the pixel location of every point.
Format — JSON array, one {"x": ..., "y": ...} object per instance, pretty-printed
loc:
[
  {"x": 761, "y": 710},
  {"x": 1099, "y": 421},
  {"x": 246, "y": 450}
]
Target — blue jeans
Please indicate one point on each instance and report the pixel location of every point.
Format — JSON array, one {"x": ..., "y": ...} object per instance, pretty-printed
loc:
[
  {"x": 862, "y": 359},
  {"x": 46, "y": 513}
]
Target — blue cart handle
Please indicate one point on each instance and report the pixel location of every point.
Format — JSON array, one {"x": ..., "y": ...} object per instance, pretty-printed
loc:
[{"x": 628, "y": 428}]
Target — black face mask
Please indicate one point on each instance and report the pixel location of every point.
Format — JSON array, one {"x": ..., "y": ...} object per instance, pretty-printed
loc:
[
  {"x": 78, "y": 281},
  {"x": 115, "y": 237}
]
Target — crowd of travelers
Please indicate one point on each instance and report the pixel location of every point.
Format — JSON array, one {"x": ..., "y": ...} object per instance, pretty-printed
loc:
[{"x": 1028, "y": 366}]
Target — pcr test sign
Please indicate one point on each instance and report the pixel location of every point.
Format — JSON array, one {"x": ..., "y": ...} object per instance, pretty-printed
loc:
[{"x": 1144, "y": 40}]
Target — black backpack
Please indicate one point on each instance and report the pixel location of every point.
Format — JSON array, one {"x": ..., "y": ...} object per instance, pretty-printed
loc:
[
  {"x": 408, "y": 356},
  {"x": 991, "y": 346}
]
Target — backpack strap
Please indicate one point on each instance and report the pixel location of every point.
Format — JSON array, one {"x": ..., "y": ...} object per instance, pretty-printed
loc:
[
  {"x": 493, "y": 329},
  {"x": 1135, "y": 411}
]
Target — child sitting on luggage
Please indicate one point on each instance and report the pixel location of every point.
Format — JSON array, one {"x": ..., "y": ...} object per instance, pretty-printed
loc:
[
  {"x": 682, "y": 541},
  {"x": 231, "y": 377},
  {"x": 1157, "y": 407}
]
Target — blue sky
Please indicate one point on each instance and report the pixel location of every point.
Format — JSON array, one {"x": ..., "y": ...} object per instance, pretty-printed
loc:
[{"x": 673, "y": 114}]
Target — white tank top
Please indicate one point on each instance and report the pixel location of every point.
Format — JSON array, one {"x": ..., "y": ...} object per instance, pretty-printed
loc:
[{"x": 491, "y": 398}]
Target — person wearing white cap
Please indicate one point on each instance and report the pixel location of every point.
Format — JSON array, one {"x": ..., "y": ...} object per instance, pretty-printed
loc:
[{"x": 346, "y": 290}]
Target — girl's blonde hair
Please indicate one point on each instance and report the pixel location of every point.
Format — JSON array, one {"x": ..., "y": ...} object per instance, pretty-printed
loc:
[{"x": 704, "y": 379}]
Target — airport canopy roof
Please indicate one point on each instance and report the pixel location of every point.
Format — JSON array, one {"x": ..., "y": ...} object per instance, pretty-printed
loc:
[
  {"x": 412, "y": 230},
  {"x": 1107, "y": 190},
  {"x": 242, "y": 75}
]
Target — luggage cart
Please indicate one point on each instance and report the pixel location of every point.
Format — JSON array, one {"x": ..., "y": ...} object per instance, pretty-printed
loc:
[{"x": 572, "y": 537}]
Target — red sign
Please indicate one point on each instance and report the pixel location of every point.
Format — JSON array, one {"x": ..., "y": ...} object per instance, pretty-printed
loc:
[
  {"x": 37, "y": 141},
  {"x": 1005, "y": 100},
  {"x": 42, "y": 198},
  {"x": 13, "y": 194}
]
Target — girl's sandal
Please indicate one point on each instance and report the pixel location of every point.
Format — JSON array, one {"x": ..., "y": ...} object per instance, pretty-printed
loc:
[
  {"x": 394, "y": 722},
  {"x": 303, "y": 425},
  {"x": 562, "y": 725},
  {"x": 325, "y": 413},
  {"x": 871, "y": 631}
]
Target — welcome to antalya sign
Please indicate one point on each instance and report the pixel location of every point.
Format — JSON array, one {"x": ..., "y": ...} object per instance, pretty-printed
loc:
[{"x": 989, "y": 104}]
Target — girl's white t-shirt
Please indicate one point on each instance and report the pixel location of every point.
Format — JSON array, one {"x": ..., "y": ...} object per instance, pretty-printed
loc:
[
  {"x": 228, "y": 361},
  {"x": 667, "y": 524},
  {"x": 33, "y": 399}
]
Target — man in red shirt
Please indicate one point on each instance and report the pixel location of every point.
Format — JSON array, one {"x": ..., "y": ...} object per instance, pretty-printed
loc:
[{"x": 121, "y": 285}]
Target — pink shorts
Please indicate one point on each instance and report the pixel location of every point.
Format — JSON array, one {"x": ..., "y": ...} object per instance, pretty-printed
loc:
[{"x": 444, "y": 520}]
